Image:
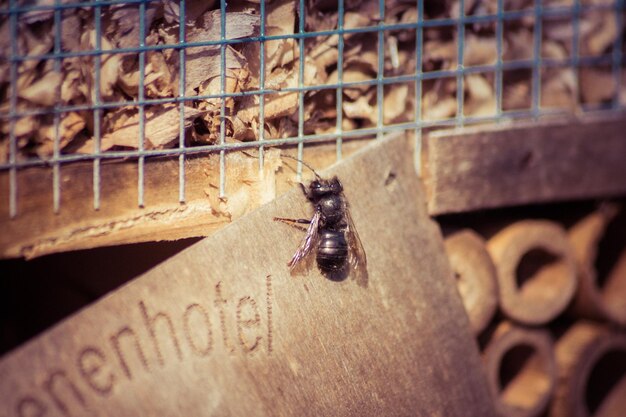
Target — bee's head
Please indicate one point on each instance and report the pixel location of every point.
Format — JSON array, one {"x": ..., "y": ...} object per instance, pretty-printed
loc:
[{"x": 321, "y": 187}]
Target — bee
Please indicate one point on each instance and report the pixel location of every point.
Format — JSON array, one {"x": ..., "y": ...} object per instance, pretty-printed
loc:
[{"x": 330, "y": 235}]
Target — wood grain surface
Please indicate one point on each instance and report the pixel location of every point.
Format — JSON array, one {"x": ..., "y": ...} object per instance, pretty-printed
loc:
[
  {"x": 464, "y": 170},
  {"x": 223, "y": 329},
  {"x": 512, "y": 164},
  {"x": 37, "y": 230}
]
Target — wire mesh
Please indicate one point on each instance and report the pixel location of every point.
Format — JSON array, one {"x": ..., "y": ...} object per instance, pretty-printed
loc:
[{"x": 495, "y": 15}]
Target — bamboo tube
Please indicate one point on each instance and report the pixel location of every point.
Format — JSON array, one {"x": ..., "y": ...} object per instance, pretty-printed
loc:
[
  {"x": 591, "y": 360},
  {"x": 476, "y": 276},
  {"x": 598, "y": 297},
  {"x": 536, "y": 270},
  {"x": 521, "y": 370}
]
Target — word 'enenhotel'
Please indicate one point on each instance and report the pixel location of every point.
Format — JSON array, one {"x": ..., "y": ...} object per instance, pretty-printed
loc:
[{"x": 140, "y": 348}]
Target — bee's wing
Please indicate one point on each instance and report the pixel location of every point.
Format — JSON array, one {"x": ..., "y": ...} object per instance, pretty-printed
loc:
[
  {"x": 307, "y": 246},
  {"x": 356, "y": 254}
]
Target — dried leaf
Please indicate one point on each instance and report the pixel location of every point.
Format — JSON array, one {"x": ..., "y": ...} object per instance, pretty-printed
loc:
[{"x": 161, "y": 128}]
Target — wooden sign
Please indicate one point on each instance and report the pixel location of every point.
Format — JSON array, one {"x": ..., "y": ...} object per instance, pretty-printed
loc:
[{"x": 223, "y": 329}]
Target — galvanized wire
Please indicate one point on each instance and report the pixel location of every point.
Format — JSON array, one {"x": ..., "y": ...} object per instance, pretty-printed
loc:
[
  {"x": 536, "y": 65},
  {"x": 181, "y": 108}
]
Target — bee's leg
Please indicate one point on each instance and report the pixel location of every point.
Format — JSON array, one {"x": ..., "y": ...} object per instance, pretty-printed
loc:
[
  {"x": 293, "y": 222},
  {"x": 303, "y": 188},
  {"x": 283, "y": 219}
]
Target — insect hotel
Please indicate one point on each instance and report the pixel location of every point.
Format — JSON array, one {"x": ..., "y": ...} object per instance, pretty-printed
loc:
[{"x": 311, "y": 207}]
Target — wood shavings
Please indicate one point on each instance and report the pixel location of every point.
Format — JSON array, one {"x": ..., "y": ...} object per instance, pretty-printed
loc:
[
  {"x": 559, "y": 89},
  {"x": 479, "y": 50},
  {"x": 43, "y": 91},
  {"x": 193, "y": 10},
  {"x": 5, "y": 36},
  {"x": 361, "y": 108},
  {"x": 518, "y": 44},
  {"x": 353, "y": 74},
  {"x": 70, "y": 126},
  {"x": 281, "y": 15},
  {"x": 203, "y": 63},
  {"x": 439, "y": 101},
  {"x": 481, "y": 100},
  {"x": 439, "y": 55},
  {"x": 161, "y": 128},
  {"x": 517, "y": 94},
  {"x": 247, "y": 184},
  {"x": 622, "y": 92},
  {"x": 24, "y": 126},
  {"x": 558, "y": 85},
  {"x": 597, "y": 85},
  {"x": 4, "y": 152},
  {"x": 598, "y": 32},
  {"x": 238, "y": 25},
  {"x": 203, "y": 66},
  {"x": 121, "y": 23},
  {"x": 42, "y": 84},
  {"x": 395, "y": 104}
]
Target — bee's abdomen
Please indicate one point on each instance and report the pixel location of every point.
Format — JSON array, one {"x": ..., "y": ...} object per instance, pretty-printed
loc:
[{"x": 332, "y": 252}]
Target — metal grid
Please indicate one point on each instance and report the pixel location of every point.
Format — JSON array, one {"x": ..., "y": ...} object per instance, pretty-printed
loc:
[{"x": 535, "y": 64}]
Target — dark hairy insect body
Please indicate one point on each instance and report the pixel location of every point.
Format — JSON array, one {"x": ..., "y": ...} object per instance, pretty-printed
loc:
[
  {"x": 332, "y": 251},
  {"x": 331, "y": 234}
]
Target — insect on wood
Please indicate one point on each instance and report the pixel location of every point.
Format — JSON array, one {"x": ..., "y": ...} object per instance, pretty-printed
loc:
[{"x": 331, "y": 237}]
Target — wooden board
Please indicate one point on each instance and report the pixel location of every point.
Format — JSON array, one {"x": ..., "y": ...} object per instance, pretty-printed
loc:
[
  {"x": 513, "y": 164},
  {"x": 223, "y": 329},
  {"x": 469, "y": 169},
  {"x": 37, "y": 230}
]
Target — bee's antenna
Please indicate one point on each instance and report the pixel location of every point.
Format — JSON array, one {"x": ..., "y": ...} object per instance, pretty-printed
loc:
[
  {"x": 290, "y": 157},
  {"x": 303, "y": 163}
]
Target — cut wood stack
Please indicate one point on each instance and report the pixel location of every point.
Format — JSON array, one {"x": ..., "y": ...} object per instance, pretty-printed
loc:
[{"x": 537, "y": 365}]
